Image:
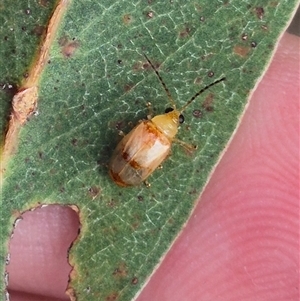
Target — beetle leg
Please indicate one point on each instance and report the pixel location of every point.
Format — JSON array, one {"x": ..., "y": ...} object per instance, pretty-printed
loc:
[
  {"x": 189, "y": 147},
  {"x": 121, "y": 133},
  {"x": 147, "y": 184},
  {"x": 150, "y": 110}
]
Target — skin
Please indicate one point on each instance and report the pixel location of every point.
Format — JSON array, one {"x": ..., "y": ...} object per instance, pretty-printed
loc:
[{"x": 241, "y": 242}]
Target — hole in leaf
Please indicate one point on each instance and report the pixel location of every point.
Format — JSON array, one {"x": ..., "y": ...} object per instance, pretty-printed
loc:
[{"x": 37, "y": 266}]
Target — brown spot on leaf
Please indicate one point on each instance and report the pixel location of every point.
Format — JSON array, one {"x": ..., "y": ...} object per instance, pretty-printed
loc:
[
  {"x": 259, "y": 12},
  {"x": 150, "y": 14},
  {"x": 112, "y": 203},
  {"x": 148, "y": 66},
  {"x": 120, "y": 271},
  {"x": 264, "y": 27},
  {"x": 185, "y": 32},
  {"x": 135, "y": 225},
  {"x": 197, "y": 113},
  {"x": 119, "y": 125},
  {"x": 198, "y": 80},
  {"x": 137, "y": 222},
  {"x": 193, "y": 191},
  {"x": 244, "y": 36},
  {"x": 140, "y": 198},
  {"x": 94, "y": 191},
  {"x": 253, "y": 44},
  {"x": 43, "y": 3},
  {"x": 128, "y": 87},
  {"x": 41, "y": 155},
  {"x": 127, "y": 19},
  {"x": 9, "y": 89},
  {"x": 137, "y": 66},
  {"x": 134, "y": 280},
  {"x": 187, "y": 127},
  {"x": 112, "y": 297},
  {"x": 74, "y": 142},
  {"x": 69, "y": 48},
  {"x": 38, "y": 30},
  {"x": 207, "y": 104},
  {"x": 241, "y": 50},
  {"x": 171, "y": 221},
  {"x": 210, "y": 74}
]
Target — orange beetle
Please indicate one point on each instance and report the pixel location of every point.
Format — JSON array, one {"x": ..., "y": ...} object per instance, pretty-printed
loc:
[{"x": 148, "y": 144}]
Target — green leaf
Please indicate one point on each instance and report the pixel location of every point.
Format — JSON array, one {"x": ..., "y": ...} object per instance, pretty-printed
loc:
[
  {"x": 96, "y": 83},
  {"x": 22, "y": 26}
]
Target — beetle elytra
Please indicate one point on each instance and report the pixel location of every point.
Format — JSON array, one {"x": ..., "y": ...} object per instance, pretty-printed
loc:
[{"x": 148, "y": 144}]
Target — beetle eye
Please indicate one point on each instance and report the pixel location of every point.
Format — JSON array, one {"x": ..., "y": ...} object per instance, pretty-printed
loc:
[
  {"x": 181, "y": 119},
  {"x": 167, "y": 110}
]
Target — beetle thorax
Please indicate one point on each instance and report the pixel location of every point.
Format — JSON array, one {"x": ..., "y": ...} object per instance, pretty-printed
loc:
[{"x": 167, "y": 123}]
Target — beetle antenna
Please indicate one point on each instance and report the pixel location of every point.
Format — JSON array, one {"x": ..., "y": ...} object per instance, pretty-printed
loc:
[
  {"x": 162, "y": 82},
  {"x": 200, "y": 92}
]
